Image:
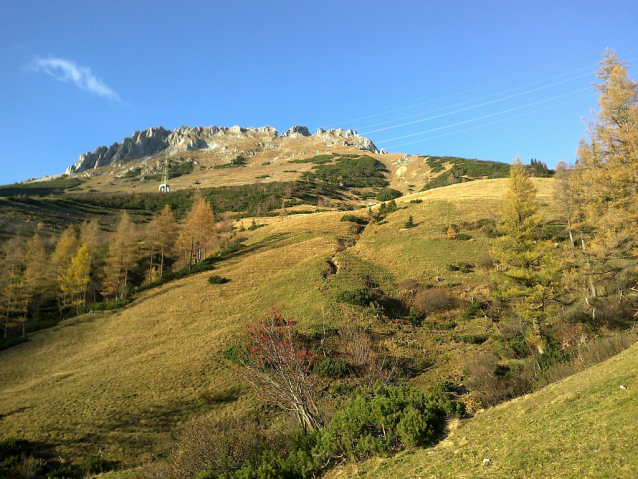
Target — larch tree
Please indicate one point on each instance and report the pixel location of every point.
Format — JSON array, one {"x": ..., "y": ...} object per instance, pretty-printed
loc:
[
  {"x": 65, "y": 249},
  {"x": 166, "y": 234},
  {"x": 90, "y": 236},
  {"x": 11, "y": 270},
  {"x": 607, "y": 182},
  {"x": 76, "y": 277},
  {"x": 151, "y": 247},
  {"x": 531, "y": 274},
  {"x": 120, "y": 259},
  {"x": 36, "y": 279},
  {"x": 197, "y": 231}
]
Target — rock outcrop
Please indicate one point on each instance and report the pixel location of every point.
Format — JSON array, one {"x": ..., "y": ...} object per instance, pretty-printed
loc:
[
  {"x": 298, "y": 131},
  {"x": 142, "y": 143},
  {"x": 184, "y": 138},
  {"x": 358, "y": 141}
]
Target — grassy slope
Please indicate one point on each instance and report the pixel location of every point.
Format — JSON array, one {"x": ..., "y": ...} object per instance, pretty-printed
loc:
[
  {"x": 121, "y": 379},
  {"x": 582, "y": 426}
]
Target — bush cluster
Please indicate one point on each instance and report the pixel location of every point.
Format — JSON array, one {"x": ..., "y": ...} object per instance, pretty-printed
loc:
[
  {"x": 357, "y": 297},
  {"x": 376, "y": 421},
  {"x": 434, "y": 300},
  {"x": 387, "y": 194},
  {"x": 331, "y": 368},
  {"x": 354, "y": 219},
  {"x": 216, "y": 279}
]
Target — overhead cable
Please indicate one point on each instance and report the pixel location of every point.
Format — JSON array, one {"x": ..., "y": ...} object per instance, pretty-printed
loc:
[{"x": 483, "y": 117}]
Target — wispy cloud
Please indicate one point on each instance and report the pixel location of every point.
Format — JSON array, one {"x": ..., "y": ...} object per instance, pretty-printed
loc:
[{"x": 66, "y": 70}]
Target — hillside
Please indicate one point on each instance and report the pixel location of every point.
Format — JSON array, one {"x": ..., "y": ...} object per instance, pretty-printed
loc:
[
  {"x": 206, "y": 157},
  {"x": 331, "y": 169},
  {"x": 582, "y": 426},
  {"x": 122, "y": 382},
  {"x": 120, "y": 379}
]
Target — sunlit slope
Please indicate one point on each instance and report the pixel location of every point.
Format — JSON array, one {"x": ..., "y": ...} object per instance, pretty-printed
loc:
[
  {"x": 120, "y": 379},
  {"x": 582, "y": 426},
  {"x": 424, "y": 251}
]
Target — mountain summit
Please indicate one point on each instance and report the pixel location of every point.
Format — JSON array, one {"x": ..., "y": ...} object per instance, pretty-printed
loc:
[{"x": 221, "y": 142}]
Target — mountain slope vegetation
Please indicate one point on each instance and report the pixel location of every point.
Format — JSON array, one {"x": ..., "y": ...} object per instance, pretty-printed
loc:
[{"x": 582, "y": 426}]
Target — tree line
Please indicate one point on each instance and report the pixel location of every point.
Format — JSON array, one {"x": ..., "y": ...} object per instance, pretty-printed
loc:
[
  {"x": 86, "y": 265},
  {"x": 591, "y": 279}
]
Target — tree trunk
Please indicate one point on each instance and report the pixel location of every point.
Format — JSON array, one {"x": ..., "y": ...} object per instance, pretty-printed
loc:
[
  {"x": 162, "y": 264},
  {"x": 569, "y": 230},
  {"x": 592, "y": 286}
]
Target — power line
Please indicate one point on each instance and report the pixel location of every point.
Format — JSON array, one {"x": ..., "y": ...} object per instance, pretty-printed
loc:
[
  {"x": 490, "y": 123},
  {"x": 483, "y": 117},
  {"x": 474, "y": 89},
  {"x": 477, "y": 99},
  {"x": 476, "y": 106}
]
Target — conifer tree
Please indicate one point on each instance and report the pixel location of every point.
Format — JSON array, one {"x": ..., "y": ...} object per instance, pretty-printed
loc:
[
  {"x": 607, "y": 184},
  {"x": 197, "y": 231},
  {"x": 77, "y": 276},
  {"x": 531, "y": 275},
  {"x": 36, "y": 274},
  {"x": 11, "y": 270},
  {"x": 167, "y": 233},
  {"x": 90, "y": 236},
  {"x": 120, "y": 259},
  {"x": 65, "y": 249}
]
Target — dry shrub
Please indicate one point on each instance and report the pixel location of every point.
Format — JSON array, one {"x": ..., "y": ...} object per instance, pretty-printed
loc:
[
  {"x": 484, "y": 261},
  {"x": 492, "y": 383},
  {"x": 157, "y": 470},
  {"x": 221, "y": 445},
  {"x": 411, "y": 285},
  {"x": 592, "y": 353},
  {"x": 356, "y": 345},
  {"x": 367, "y": 361},
  {"x": 434, "y": 300}
]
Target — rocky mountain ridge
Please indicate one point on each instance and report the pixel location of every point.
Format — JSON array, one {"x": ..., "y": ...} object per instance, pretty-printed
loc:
[{"x": 156, "y": 141}]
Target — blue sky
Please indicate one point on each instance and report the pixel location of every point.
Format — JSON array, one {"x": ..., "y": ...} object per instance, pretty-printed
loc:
[{"x": 482, "y": 79}]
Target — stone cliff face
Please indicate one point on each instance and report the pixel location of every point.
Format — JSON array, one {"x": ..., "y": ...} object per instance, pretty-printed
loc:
[{"x": 148, "y": 143}]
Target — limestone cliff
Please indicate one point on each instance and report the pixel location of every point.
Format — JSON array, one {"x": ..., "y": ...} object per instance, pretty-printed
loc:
[{"x": 151, "y": 142}]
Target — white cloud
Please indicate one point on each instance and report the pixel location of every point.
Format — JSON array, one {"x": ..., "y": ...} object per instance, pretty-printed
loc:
[{"x": 65, "y": 70}]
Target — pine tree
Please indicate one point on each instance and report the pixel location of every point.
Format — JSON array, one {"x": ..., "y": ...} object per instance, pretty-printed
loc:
[{"x": 530, "y": 275}]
